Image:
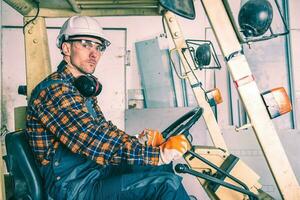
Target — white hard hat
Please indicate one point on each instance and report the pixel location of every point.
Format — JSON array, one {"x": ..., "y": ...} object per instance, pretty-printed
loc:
[{"x": 81, "y": 26}]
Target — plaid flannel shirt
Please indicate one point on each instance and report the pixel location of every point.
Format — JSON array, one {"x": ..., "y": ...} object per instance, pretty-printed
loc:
[{"x": 59, "y": 115}]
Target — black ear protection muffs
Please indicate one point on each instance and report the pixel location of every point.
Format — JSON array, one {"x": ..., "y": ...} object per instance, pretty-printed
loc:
[{"x": 88, "y": 85}]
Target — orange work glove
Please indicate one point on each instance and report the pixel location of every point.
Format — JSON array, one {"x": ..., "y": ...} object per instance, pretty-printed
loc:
[
  {"x": 151, "y": 137},
  {"x": 173, "y": 149}
]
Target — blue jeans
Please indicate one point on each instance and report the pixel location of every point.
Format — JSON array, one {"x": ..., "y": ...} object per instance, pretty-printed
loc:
[
  {"x": 142, "y": 183},
  {"x": 70, "y": 176}
]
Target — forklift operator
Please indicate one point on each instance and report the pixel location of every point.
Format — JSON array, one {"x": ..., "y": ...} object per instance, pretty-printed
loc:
[{"x": 81, "y": 155}]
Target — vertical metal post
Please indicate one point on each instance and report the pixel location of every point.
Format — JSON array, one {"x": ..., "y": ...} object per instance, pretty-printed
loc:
[
  {"x": 250, "y": 96},
  {"x": 36, "y": 52},
  {"x": 230, "y": 107},
  {"x": 289, "y": 63},
  {"x": 2, "y": 186}
]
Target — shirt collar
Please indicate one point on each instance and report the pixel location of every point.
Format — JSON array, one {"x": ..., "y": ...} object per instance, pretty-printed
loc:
[{"x": 64, "y": 70}]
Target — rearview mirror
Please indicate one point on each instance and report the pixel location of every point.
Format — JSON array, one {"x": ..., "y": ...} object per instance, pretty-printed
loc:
[{"x": 183, "y": 8}]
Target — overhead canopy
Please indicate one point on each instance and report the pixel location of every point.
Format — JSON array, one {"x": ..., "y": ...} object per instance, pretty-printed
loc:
[{"x": 65, "y": 8}]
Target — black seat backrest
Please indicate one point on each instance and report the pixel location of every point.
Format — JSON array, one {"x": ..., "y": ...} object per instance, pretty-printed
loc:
[{"x": 22, "y": 167}]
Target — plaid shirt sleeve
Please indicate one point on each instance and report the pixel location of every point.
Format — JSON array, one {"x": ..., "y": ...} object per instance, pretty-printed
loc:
[{"x": 65, "y": 115}]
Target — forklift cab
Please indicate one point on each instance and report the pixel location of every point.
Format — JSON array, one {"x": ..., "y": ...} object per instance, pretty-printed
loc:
[{"x": 27, "y": 182}]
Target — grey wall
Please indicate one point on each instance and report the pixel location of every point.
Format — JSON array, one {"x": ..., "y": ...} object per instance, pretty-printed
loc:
[{"x": 267, "y": 59}]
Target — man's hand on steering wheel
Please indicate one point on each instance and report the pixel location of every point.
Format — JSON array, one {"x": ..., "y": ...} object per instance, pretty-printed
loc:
[
  {"x": 173, "y": 149},
  {"x": 176, "y": 135},
  {"x": 173, "y": 142}
]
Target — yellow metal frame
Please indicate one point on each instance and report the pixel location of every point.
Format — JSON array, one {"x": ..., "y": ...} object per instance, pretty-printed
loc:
[
  {"x": 36, "y": 53},
  {"x": 88, "y": 7}
]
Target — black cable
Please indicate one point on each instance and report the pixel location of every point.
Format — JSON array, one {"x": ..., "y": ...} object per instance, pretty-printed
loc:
[
  {"x": 37, "y": 3},
  {"x": 164, "y": 26}
]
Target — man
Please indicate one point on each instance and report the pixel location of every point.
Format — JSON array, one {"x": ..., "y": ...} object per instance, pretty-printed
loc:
[{"x": 80, "y": 154}]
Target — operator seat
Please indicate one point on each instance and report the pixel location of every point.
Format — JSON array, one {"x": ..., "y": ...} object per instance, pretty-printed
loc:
[{"x": 21, "y": 166}]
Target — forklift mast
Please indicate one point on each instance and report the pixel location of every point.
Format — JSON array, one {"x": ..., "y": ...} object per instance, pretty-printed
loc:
[{"x": 248, "y": 91}]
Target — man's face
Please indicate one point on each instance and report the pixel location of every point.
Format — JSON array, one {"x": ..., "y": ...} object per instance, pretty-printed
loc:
[{"x": 83, "y": 54}]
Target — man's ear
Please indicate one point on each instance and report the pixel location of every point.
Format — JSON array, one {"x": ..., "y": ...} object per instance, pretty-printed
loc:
[{"x": 66, "y": 48}]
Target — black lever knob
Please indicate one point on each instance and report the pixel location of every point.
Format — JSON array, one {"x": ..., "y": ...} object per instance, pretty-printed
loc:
[{"x": 181, "y": 168}]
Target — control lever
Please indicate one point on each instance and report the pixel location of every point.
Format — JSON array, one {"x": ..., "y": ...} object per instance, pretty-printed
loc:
[{"x": 183, "y": 168}]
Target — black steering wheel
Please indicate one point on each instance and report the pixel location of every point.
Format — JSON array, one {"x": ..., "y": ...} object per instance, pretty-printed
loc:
[{"x": 183, "y": 124}]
